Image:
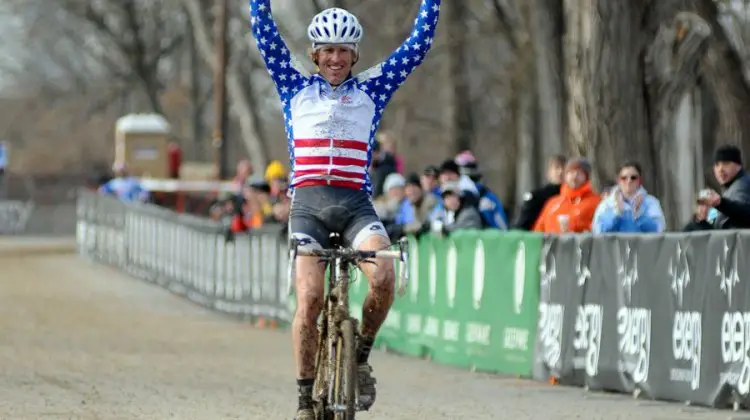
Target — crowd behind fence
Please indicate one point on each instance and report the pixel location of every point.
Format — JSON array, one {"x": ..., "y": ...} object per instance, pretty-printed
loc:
[{"x": 662, "y": 316}]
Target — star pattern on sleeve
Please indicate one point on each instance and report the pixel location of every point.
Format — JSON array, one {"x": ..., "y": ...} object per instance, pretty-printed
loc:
[
  {"x": 402, "y": 62},
  {"x": 274, "y": 51}
]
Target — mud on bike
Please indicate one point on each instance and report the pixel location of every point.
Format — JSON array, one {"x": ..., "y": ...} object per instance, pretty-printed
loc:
[{"x": 335, "y": 390}]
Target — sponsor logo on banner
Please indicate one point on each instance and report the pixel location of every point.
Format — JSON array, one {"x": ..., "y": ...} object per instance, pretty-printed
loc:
[
  {"x": 448, "y": 330},
  {"x": 478, "y": 284},
  {"x": 478, "y": 333},
  {"x": 516, "y": 338},
  {"x": 414, "y": 263},
  {"x": 588, "y": 326},
  {"x": 735, "y": 327},
  {"x": 551, "y": 314},
  {"x": 633, "y": 323},
  {"x": 451, "y": 266},
  {"x": 686, "y": 326}
]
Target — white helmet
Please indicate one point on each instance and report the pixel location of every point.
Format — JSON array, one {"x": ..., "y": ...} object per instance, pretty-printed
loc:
[{"x": 335, "y": 26}]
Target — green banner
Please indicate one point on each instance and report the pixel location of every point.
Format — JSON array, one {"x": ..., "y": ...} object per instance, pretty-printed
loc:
[{"x": 472, "y": 301}]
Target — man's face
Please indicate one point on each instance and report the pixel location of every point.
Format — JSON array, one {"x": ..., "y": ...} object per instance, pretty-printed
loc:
[
  {"x": 448, "y": 177},
  {"x": 429, "y": 182},
  {"x": 413, "y": 193},
  {"x": 555, "y": 173},
  {"x": 335, "y": 63},
  {"x": 575, "y": 178},
  {"x": 725, "y": 171}
]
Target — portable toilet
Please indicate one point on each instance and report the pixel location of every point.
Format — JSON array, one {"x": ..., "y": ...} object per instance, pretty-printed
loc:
[{"x": 141, "y": 144}]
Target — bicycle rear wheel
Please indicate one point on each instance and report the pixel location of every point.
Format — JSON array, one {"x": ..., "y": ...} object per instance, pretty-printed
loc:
[{"x": 346, "y": 371}]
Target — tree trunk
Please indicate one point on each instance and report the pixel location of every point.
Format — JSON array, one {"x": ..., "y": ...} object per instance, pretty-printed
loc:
[
  {"x": 461, "y": 107},
  {"x": 241, "y": 104},
  {"x": 196, "y": 101},
  {"x": 723, "y": 73},
  {"x": 672, "y": 67},
  {"x": 605, "y": 106},
  {"x": 547, "y": 29}
]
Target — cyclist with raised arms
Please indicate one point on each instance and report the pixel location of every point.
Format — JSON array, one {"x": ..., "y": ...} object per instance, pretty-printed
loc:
[{"x": 331, "y": 118}]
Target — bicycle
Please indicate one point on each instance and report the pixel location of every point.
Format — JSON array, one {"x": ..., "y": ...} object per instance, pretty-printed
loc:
[{"x": 334, "y": 391}]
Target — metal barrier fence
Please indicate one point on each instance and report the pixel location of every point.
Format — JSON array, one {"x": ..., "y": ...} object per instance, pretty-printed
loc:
[
  {"x": 41, "y": 205},
  {"x": 14, "y": 216},
  {"x": 188, "y": 255}
]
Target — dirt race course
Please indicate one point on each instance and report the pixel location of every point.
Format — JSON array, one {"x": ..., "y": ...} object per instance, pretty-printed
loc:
[{"x": 84, "y": 342}]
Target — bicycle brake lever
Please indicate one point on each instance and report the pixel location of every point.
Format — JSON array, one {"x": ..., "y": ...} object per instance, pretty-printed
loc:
[{"x": 403, "y": 245}]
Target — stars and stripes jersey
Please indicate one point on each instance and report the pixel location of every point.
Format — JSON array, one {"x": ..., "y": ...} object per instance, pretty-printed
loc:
[{"x": 331, "y": 131}]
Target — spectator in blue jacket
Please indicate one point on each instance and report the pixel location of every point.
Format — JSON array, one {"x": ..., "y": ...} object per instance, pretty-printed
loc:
[
  {"x": 124, "y": 186},
  {"x": 490, "y": 207},
  {"x": 629, "y": 208}
]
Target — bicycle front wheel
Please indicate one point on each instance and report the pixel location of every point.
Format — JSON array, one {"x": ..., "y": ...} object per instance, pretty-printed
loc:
[{"x": 346, "y": 371}]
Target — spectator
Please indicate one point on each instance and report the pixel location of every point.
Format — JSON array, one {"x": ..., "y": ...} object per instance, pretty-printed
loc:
[
  {"x": 573, "y": 209},
  {"x": 534, "y": 201},
  {"x": 388, "y": 143},
  {"x": 421, "y": 205},
  {"x": 459, "y": 213},
  {"x": 429, "y": 180},
  {"x": 242, "y": 172},
  {"x": 629, "y": 208},
  {"x": 449, "y": 173},
  {"x": 733, "y": 205},
  {"x": 259, "y": 209},
  {"x": 490, "y": 207},
  {"x": 702, "y": 218},
  {"x": 383, "y": 164},
  {"x": 414, "y": 211},
  {"x": 124, "y": 186},
  {"x": 278, "y": 180},
  {"x": 389, "y": 205},
  {"x": 228, "y": 211}
]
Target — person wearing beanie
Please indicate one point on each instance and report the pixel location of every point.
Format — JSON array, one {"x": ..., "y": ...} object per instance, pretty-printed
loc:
[
  {"x": 573, "y": 209},
  {"x": 732, "y": 206},
  {"x": 387, "y": 206},
  {"x": 534, "y": 201}
]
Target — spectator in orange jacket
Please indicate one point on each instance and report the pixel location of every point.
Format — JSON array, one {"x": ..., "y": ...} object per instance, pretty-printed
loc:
[{"x": 573, "y": 209}]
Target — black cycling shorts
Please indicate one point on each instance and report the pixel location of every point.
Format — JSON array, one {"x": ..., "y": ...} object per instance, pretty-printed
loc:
[{"x": 318, "y": 211}]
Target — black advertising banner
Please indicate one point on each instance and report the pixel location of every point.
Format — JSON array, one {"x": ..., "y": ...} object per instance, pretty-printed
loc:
[
  {"x": 665, "y": 315},
  {"x": 616, "y": 274},
  {"x": 678, "y": 289},
  {"x": 729, "y": 315},
  {"x": 564, "y": 272}
]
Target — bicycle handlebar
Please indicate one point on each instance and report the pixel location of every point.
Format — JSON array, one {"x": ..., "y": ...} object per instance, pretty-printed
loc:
[{"x": 353, "y": 255}]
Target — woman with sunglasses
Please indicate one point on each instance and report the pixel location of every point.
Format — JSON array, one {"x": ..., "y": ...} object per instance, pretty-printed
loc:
[{"x": 628, "y": 207}]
